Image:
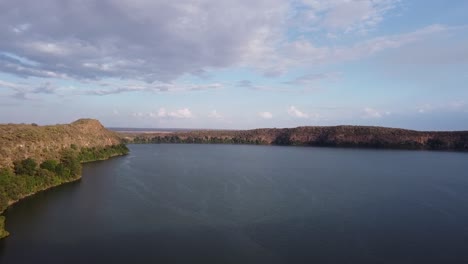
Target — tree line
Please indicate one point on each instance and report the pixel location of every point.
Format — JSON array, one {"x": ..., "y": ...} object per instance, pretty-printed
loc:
[{"x": 197, "y": 140}]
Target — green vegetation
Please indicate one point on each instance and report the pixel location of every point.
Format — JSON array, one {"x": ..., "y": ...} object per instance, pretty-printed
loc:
[
  {"x": 92, "y": 154},
  {"x": 27, "y": 178},
  {"x": 3, "y": 232},
  {"x": 25, "y": 167},
  {"x": 49, "y": 165}
]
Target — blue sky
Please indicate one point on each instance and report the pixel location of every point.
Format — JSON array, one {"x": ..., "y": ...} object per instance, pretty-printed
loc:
[{"x": 236, "y": 64}]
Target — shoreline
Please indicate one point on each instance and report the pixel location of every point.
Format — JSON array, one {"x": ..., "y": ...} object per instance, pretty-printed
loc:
[{"x": 13, "y": 202}]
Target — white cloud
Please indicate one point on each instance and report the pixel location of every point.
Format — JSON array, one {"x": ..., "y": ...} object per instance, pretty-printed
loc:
[
  {"x": 11, "y": 85},
  {"x": 452, "y": 106},
  {"x": 373, "y": 113},
  {"x": 162, "y": 114},
  {"x": 294, "y": 112},
  {"x": 215, "y": 114},
  {"x": 266, "y": 115},
  {"x": 49, "y": 48},
  {"x": 370, "y": 112},
  {"x": 425, "y": 108},
  {"x": 181, "y": 113},
  {"x": 21, "y": 28}
]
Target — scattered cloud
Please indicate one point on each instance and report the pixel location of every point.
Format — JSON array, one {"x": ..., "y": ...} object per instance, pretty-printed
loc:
[
  {"x": 163, "y": 114},
  {"x": 46, "y": 88},
  {"x": 369, "y": 112},
  {"x": 19, "y": 29},
  {"x": 303, "y": 52},
  {"x": 293, "y": 86},
  {"x": 265, "y": 115},
  {"x": 10, "y": 85},
  {"x": 22, "y": 90},
  {"x": 452, "y": 106},
  {"x": 347, "y": 15},
  {"x": 372, "y": 113},
  {"x": 424, "y": 108},
  {"x": 249, "y": 85},
  {"x": 440, "y": 49},
  {"x": 294, "y": 112},
  {"x": 312, "y": 81},
  {"x": 181, "y": 113},
  {"x": 214, "y": 114},
  {"x": 147, "y": 87}
]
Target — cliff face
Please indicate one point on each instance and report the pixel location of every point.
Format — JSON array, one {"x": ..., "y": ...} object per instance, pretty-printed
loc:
[
  {"x": 345, "y": 136},
  {"x": 18, "y": 142}
]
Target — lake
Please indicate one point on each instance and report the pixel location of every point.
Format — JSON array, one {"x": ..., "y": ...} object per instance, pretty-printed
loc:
[{"x": 250, "y": 204}]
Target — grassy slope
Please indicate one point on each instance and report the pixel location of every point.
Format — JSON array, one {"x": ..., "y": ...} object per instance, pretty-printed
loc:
[{"x": 45, "y": 142}]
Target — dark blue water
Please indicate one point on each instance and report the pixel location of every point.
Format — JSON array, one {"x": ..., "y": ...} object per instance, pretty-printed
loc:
[{"x": 250, "y": 204}]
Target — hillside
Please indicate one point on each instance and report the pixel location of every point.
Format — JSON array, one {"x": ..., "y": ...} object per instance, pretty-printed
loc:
[
  {"x": 35, "y": 158},
  {"x": 20, "y": 141},
  {"x": 340, "y": 136}
]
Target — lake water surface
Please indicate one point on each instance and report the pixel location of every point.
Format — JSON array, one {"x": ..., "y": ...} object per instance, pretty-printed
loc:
[{"x": 250, "y": 204}]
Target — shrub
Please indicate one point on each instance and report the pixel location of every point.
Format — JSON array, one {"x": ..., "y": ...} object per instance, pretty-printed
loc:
[
  {"x": 25, "y": 167},
  {"x": 49, "y": 165},
  {"x": 3, "y": 232}
]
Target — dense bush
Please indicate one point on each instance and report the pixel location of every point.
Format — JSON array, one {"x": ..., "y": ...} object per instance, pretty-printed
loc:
[
  {"x": 3, "y": 233},
  {"x": 26, "y": 166},
  {"x": 49, "y": 165},
  {"x": 91, "y": 154},
  {"x": 71, "y": 160}
]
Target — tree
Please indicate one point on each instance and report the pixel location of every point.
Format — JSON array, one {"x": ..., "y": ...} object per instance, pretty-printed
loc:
[
  {"x": 62, "y": 171},
  {"x": 49, "y": 165},
  {"x": 71, "y": 161},
  {"x": 25, "y": 167}
]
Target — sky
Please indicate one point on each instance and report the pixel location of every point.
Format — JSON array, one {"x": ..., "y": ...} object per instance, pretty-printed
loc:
[{"x": 235, "y": 64}]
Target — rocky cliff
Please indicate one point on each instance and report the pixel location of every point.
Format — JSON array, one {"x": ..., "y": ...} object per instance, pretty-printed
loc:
[
  {"x": 342, "y": 136},
  {"x": 20, "y": 141}
]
